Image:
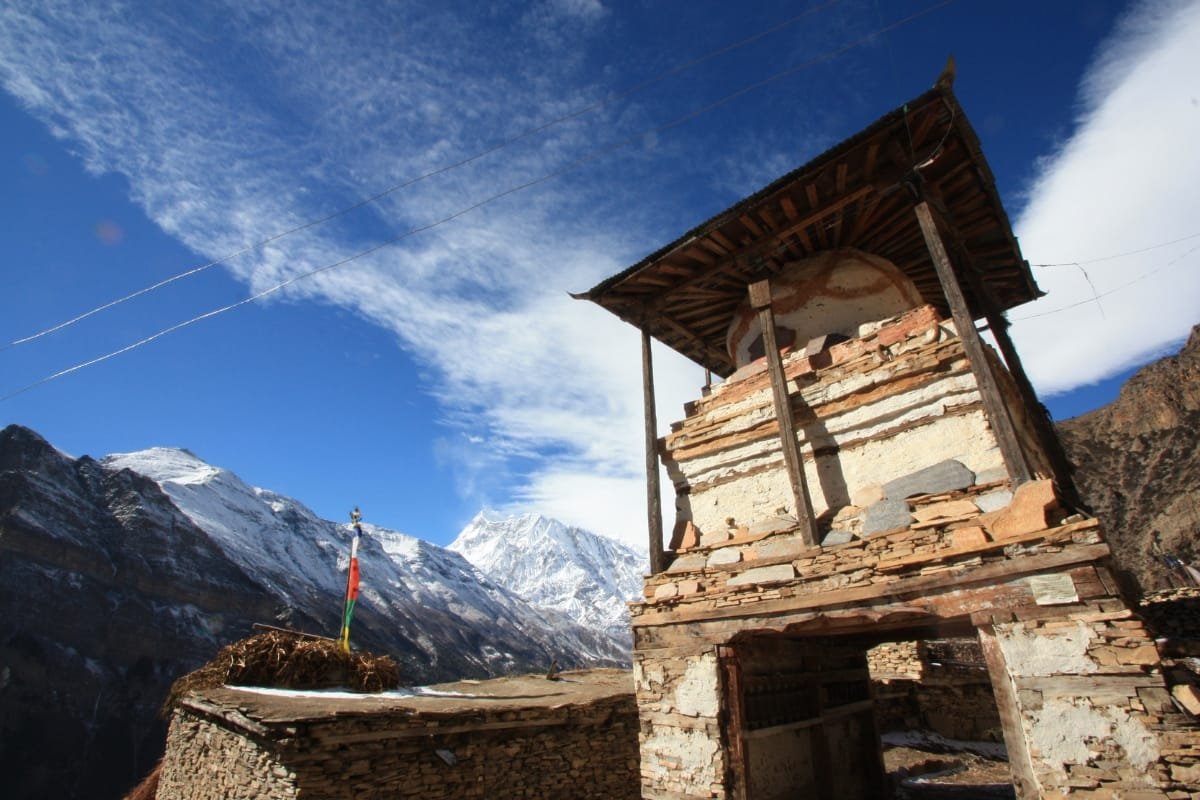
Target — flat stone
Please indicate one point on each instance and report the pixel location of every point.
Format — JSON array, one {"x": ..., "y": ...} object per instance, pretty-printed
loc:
[
  {"x": 665, "y": 591},
  {"x": 886, "y": 515},
  {"x": 974, "y": 536},
  {"x": 726, "y": 555},
  {"x": 991, "y": 475},
  {"x": 779, "y": 573},
  {"x": 1188, "y": 697},
  {"x": 994, "y": 500},
  {"x": 945, "y": 476},
  {"x": 949, "y": 508},
  {"x": 779, "y": 546},
  {"x": 691, "y": 536},
  {"x": 1028, "y": 511},
  {"x": 774, "y": 525},
  {"x": 689, "y": 587},
  {"x": 688, "y": 563},
  {"x": 837, "y": 537},
  {"x": 716, "y": 537}
]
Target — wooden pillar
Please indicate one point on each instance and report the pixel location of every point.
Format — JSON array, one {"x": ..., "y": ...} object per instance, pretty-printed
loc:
[
  {"x": 1042, "y": 424},
  {"x": 760, "y": 301},
  {"x": 737, "y": 770},
  {"x": 1020, "y": 764},
  {"x": 993, "y": 401},
  {"x": 653, "y": 491}
]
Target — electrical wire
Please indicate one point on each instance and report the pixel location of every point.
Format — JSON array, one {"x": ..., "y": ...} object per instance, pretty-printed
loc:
[
  {"x": 569, "y": 167},
  {"x": 258, "y": 245},
  {"x": 1121, "y": 255},
  {"x": 1096, "y": 297}
]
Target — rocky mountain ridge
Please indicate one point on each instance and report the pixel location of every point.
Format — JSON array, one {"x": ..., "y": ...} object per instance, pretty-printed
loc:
[
  {"x": 1137, "y": 466},
  {"x": 121, "y": 574}
]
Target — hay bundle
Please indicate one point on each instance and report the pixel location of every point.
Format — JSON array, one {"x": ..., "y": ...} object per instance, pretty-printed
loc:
[{"x": 287, "y": 660}]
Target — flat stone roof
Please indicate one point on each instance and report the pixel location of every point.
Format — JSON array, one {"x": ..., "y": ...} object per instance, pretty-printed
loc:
[{"x": 259, "y": 708}]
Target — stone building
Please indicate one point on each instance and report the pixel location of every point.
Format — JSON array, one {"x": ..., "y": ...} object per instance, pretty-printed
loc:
[
  {"x": 518, "y": 737},
  {"x": 870, "y": 471}
]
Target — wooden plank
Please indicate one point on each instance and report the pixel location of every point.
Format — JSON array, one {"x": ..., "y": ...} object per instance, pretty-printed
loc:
[
  {"x": 654, "y": 523},
  {"x": 760, "y": 301},
  {"x": 831, "y": 713},
  {"x": 886, "y": 592},
  {"x": 997, "y": 412}
]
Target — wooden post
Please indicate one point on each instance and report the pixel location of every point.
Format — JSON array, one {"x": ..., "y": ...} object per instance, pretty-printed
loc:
[
  {"x": 760, "y": 301},
  {"x": 1042, "y": 424},
  {"x": 734, "y": 718},
  {"x": 653, "y": 491},
  {"x": 993, "y": 402},
  {"x": 1020, "y": 764}
]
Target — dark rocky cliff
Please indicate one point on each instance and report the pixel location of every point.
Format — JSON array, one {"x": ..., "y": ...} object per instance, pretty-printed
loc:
[
  {"x": 1138, "y": 467},
  {"x": 101, "y": 612}
]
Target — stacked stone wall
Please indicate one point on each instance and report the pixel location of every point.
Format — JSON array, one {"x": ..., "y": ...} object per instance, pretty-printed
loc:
[{"x": 576, "y": 751}]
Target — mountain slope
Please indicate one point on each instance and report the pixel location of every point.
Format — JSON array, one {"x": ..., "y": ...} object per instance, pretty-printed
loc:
[
  {"x": 1138, "y": 466},
  {"x": 587, "y": 577},
  {"x": 431, "y": 605},
  {"x": 117, "y": 576}
]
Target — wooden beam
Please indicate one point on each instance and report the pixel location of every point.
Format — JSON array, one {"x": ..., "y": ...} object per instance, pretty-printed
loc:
[
  {"x": 734, "y": 719},
  {"x": 773, "y": 238},
  {"x": 1043, "y": 427},
  {"x": 760, "y": 301},
  {"x": 653, "y": 490},
  {"x": 989, "y": 389}
]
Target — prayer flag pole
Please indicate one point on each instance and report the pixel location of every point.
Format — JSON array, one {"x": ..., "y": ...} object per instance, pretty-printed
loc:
[{"x": 351, "y": 581}]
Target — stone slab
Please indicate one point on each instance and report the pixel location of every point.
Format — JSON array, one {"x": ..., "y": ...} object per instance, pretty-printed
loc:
[
  {"x": 774, "y": 525},
  {"x": 837, "y": 537},
  {"x": 949, "y": 508},
  {"x": 886, "y": 515},
  {"x": 945, "y": 476},
  {"x": 779, "y": 546},
  {"x": 779, "y": 573},
  {"x": 994, "y": 500},
  {"x": 688, "y": 563},
  {"x": 726, "y": 555}
]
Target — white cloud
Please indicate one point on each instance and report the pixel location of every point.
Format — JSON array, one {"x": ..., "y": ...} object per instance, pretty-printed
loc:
[
  {"x": 528, "y": 374},
  {"x": 1128, "y": 178}
]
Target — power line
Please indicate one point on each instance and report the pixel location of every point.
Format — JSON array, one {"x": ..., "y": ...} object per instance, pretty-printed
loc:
[
  {"x": 258, "y": 245},
  {"x": 588, "y": 157},
  {"x": 1096, "y": 297},
  {"x": 1121, "y": 255}
]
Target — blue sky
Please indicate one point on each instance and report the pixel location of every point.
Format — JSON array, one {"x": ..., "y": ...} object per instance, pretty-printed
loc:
[{"x": 449, "y": 370}]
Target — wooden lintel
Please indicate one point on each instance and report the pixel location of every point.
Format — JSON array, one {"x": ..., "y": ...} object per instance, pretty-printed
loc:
[
  {"x": 760, "y": 301},
  {"x": 989, "y": 389}
]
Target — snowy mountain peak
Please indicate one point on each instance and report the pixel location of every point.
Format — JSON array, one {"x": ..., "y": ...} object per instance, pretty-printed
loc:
[
  {"x": 165, "y": 464},
  {"x": 588, "y": 577}
]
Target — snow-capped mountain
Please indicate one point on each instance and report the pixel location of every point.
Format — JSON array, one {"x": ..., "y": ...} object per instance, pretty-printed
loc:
[
  {"x": 448, "y": 617},
  {"x": 587, "y": 577},
  {"x": 118, "y": 576}
]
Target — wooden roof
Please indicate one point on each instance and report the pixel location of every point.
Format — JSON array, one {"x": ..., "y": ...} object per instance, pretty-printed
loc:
[{"x": 858, "y": 194}]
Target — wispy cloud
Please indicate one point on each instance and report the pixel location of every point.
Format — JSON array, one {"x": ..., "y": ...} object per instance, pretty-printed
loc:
[
  {"x": 1127, "y": 178},
  {"x": 550, "y": 416}
]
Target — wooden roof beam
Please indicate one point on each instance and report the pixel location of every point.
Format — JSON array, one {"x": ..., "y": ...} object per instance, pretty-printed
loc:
[{"x": 760, "y": 247}]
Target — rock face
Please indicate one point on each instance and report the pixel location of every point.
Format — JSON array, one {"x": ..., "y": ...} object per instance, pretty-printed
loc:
[
  {"x": 108, "y": 593},
  {"x": 119, "y": 575},
  {"x": 1138, "y": 466}
]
